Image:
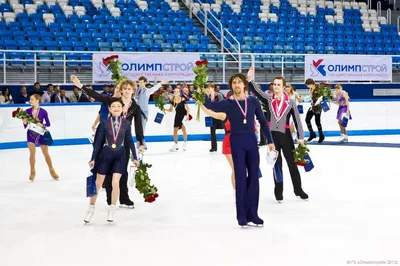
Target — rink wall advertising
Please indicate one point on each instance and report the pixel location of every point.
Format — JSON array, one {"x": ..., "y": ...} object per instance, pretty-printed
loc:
[
  {"x": 348, "y": 68},
  {"x": 71, "y": 123},
  {"x": 166, "y": 66}
]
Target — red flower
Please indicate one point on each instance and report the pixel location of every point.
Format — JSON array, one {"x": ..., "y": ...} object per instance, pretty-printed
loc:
[
  {"x": 203, "y": 62},
  {"x": 14, "y": 113},
  {"x": 156, "y": 195},
  {"x": 301, "y": 163},
  {"x": 108, "y": 59}
]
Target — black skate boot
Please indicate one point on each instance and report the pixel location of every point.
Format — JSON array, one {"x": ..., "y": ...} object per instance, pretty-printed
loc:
[
  {"x": 321, "y": 136},
  {"x": 300, "y": 193},
  {"x": 257, "y": 221},
  {"x": 127, "y": 203},
  {"x": 278, "y": 192},
  {"x": 312, "y": 136}
]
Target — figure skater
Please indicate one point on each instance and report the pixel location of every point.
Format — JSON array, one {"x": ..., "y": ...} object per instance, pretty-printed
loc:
[
  {"x": 315, "y": 110},
  {"x": 34, "y": 138},
  {"x": 113, "y": 132},
  {"x": 342, "y": 100},
  {"x": 294, "y": 96},
  {"x": 282, "y": 108},
  {"x": 178, "y": 103},
  {"x": 241, "y": 111},
  {"x": 131, "y": 110}
]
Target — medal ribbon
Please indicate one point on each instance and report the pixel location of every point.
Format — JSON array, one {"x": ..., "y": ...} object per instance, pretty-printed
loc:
[
  {"x": 115, "y": 136},
  {"x": 240, "y": 107}
]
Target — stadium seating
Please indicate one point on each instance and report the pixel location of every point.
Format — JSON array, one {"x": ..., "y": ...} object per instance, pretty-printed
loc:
[
  {"x": 303, "y": 26},
  {"x": 94, "y": 25}
]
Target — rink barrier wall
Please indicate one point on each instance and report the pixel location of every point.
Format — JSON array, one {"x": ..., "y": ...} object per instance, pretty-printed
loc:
[{"x": 71, "y": 123}]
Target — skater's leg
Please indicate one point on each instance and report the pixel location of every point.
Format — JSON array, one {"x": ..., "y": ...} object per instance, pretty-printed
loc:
[
  {"x": 253, "y": 188},
  {"x": 213, "y": 135},
  {"x": 239, "y": 162},
  {"x": 184, "y": 133},
  {"x": 32, "y": 160},
  {"x": 45, "y": 151},
  {"x": 108, "y": 186},
  {"x": 115, "y": 188},
  {"x": 230, "y": 161},
  {"x": 319, "y": 126},
  {"x": 99, "y": 182},
  {"x": 123, "y": 181},
  {"x": 288, "y": 148},
  {"x": 278, "y": 189},
  {"x": 309, "y": 116}
]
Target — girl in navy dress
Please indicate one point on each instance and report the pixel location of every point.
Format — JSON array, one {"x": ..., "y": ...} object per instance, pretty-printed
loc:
[
  {"x": 34, "y": 138},
  {"x": 113, "y": 132}
]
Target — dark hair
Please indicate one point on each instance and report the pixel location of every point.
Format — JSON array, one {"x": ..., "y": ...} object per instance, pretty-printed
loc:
[
  {"x": 114, "y": 99},
  {"x": 3, "y": 91},
  {"x": 310, "y": 82},
  {"x": 283, "y": 80},
  {"x": 241, "y": 77},
  {"x": 143, "y": 79}
]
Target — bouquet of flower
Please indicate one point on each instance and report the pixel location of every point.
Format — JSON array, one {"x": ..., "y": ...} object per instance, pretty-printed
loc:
[
  {"x": 299, "y": 153},
  {"x": 200, "y": 81},
  {"x": 159, "y": 99},
  {"x": 22, "y": 114},
  {"x": 114, "y": 65},
  {"x": 324, "y": 90},
  {"x": 142, "y": 181}
]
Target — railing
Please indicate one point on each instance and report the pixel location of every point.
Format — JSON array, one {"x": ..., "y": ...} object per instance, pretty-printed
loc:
[
  {"x": 379, "y": 8},
  {"x": 389, "y": 16},
  {"x": 233, "y": 50},
  {"x": 28, "y": 70}
]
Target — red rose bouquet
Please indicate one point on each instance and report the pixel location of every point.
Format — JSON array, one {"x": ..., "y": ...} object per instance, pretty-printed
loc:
[
  {"x": 200, "y": 81},
  {"x": 299, "y": 153},
  {"x": 143, "y": 185}
]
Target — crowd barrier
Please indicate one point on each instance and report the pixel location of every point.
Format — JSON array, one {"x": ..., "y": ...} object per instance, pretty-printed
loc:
[{"x": 71, "y": 123}]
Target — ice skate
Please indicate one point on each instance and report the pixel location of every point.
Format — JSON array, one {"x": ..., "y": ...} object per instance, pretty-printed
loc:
[
  {"x": 345, "y": 138},
  {"x": 174, "y": 147},
  {"x": 128, "y": 204},
  {"x": 257, "y": 222},
  {"x": 312, "y": 136},
  {"x": 110, "y": 215},
  {"x": 321, "y": 137},
  {"x": 184, "y": 146},
  {"x": 32, "y": 175},
  {"x": 89, "y": 214},
  {"x": 53, "y": 174},
  {"x": 300, "y": 193}
]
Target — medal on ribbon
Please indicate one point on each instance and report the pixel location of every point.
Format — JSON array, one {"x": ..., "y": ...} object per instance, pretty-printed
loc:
[
  {"x": 115, "y": 132},
  {"x": 241, "y": 109}
]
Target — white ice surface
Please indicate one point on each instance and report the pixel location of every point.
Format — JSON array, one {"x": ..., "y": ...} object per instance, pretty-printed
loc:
[{"x": 353, "y": 212}]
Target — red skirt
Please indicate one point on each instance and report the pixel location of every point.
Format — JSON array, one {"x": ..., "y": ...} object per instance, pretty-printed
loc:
[{"x": 226, "y": 144}]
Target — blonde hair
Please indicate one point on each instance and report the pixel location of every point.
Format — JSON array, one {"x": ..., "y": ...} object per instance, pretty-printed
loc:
[
  {"x": 338, "y": 86},
  {"x": 288, "y": 86},
  {"x": 126, "y": 83},
  {"x": 37, "y": 97}
]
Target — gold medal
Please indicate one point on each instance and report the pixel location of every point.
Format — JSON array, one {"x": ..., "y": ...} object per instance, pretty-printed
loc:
[{"x": 113, "y": 146}]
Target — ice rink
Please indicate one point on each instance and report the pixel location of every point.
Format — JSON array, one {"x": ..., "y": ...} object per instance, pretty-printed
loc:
[{"x": 353, "y": 213}]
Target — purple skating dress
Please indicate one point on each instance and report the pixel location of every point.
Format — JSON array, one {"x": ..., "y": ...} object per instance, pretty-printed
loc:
[
  {"x": 42, "y": 116},
  {"x": 342, "y": 106}
]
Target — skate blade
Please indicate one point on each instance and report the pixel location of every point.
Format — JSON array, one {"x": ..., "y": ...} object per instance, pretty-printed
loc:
[
  {"x": 302, "y": 199},
  {"x": 126, "y": 207}
]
